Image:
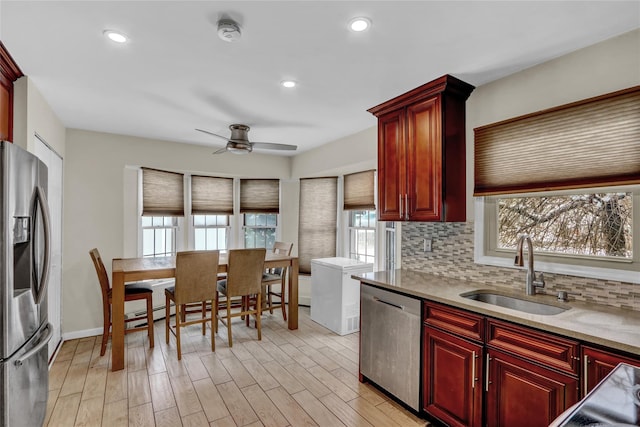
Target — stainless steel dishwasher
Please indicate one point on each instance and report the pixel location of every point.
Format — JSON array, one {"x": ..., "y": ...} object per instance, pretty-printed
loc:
[{"x": 390, "y": 342}]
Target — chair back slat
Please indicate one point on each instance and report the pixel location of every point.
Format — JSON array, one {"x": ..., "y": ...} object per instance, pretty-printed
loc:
[
  {"x": 103, "y": 277},
  {"x": 196, "y": 275},
  {"x": 282, "y": 248},
  {"x": 244, "y": 273}
]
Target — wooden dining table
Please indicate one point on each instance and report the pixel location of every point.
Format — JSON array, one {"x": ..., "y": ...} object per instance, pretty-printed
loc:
[{"x": 136, "y": 269}]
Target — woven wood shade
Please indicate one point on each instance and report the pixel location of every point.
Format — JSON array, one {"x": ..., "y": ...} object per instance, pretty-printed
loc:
[
  {"x": 162, "y": 193},
  {"x": 259, "y": 196},
  {"x": 211, "y": 195},
  {"x": 595, "y": 142},
  {"x": 359, "y": 191},
  {"x": 317, "y": 222}
]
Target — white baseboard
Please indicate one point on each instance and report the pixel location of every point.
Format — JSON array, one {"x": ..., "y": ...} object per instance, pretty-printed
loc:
[{"x": 81, "y": 334}]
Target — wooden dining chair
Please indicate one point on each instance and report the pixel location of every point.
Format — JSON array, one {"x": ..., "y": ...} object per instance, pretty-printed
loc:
[
  {"x": 244, "y": 279},
  {"x": 196, "y": 274},
  {"x": 275, "y": 276},
  {"x": 132, "y": 292}
]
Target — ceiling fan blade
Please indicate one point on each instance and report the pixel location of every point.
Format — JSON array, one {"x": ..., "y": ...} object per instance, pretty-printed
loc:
[
  {"x": 273, "y": 146},
  {"x": 220, "y": 151},
  {"x": 214, "y": 134}
]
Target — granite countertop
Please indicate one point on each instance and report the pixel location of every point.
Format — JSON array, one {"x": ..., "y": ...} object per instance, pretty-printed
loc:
[{"x": 598, "y": 324}]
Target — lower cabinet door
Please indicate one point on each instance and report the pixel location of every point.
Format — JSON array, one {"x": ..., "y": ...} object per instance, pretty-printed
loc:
[
  {"x": 597, "y": 364},
  {"x": 452, "y": 383},
  {"x": 523, "y": 394}
]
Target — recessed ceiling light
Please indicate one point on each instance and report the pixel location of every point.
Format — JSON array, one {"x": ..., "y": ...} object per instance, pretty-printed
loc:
[
  {"x": 288, "y": 83},
  {"x": 359, "y": 24},
  {"x": 115, "y": 36}
]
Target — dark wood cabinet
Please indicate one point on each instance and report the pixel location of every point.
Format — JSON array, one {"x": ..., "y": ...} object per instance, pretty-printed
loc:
[
  {"x": 597, "y": 364},
  {"x": 452, "y": 378},
  {"x": 9, "y": 72},
  {"x": 484, "y": 371},
  {"x": 421, "y": 153},
  {"x": 524, "y": 394},
  {"x": 452, "y": 370}
]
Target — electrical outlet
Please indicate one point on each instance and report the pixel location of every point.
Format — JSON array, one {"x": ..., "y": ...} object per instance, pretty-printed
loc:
[{"x": 427, "y": 244}]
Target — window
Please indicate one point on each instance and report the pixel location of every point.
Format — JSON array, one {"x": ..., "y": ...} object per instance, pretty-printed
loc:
[
  {"x": 318, "y": 220},
  {"x": 211, "y": 206},
  {"x": 568, "y": 176},
  {"x": 159, "y": 235},
  {"x": 162, "y": 205},
  {"x": 594, "y": 224},
  {"x": 260, "y": 230},
  {"x": 362, "y": 235},
  {"x": 260, "y": 205},
  {"x": 211, "y": 232},
  {"x": 586, "y": 233},
  {"x": 359, "y": 202}
]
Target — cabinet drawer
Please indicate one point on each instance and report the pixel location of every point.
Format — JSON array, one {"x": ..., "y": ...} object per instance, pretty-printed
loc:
[
  {"x": 548, "y": 350},
  {"x": 458, "y": 322}
]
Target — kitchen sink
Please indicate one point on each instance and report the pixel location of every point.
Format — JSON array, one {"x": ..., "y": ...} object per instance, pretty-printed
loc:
[{"x": 514, "y": 303}]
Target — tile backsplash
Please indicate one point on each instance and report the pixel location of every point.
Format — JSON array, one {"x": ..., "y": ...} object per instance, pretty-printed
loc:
[{"x": 452, "y": 256}]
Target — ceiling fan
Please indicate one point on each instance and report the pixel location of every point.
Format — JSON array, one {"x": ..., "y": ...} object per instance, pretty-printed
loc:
[{"x": 239, "y": 141}]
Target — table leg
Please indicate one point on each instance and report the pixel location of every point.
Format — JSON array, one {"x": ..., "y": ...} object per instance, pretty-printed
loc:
[
  {"x": 293, "y": 295},
  {"x": 117, "y": 320}
]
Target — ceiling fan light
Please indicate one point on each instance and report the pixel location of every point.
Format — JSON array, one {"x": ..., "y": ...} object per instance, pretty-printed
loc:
[
  {"x": 288, "y": 84},
  {"x": 238, "y": 151},
  {"x": 359, "y": 24},
  {"x": 115, "y": 36}
]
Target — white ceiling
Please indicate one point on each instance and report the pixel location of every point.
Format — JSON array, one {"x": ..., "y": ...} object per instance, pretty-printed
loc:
[{"x": 176, "y": 75}]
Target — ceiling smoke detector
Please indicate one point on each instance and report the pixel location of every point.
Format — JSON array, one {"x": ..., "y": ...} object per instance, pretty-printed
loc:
[{"x": 228, "y": 30}]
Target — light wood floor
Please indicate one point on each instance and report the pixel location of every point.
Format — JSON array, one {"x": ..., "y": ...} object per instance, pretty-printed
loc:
[{"x": 306, "y": 377}]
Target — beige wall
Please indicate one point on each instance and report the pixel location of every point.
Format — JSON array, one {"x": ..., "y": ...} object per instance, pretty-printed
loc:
[
  {"x": 100, "y": 200},
  {"x": 100, "y": 203},
  {"x": 354, "y": 153},
  {"x": 33, "y": 115}
]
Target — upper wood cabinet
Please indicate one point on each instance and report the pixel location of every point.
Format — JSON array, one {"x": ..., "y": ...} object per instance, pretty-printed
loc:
[
  {"x": 9, "y": 72},
  {"x": 421, "y": 153}
]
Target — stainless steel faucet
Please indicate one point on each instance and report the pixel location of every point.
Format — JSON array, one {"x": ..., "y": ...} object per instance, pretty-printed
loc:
[{"x": 532, "y": 282}]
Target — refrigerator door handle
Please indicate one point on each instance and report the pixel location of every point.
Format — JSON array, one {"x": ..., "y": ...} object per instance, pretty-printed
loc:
[
  {"x": 44, "y": 341},
  {"x": 40, "y": 288}
]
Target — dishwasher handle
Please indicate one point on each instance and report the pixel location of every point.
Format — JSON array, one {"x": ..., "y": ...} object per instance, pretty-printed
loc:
[{"x": 398, "y": 306}]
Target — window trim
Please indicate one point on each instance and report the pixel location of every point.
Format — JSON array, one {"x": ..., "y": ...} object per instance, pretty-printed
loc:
[
  {"x": 349, "y": 228},
  {"x": 605, "y": 269}
]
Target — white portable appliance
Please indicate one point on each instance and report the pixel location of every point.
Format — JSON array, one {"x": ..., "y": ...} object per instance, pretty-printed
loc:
[{"x": 335, "y": 296}]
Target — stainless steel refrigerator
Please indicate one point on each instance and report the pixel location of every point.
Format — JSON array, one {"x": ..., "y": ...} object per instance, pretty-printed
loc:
[{"x": 24, "y": 253}]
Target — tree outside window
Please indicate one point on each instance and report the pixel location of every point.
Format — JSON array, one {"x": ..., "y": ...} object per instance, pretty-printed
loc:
[{"x": 598, "y": 224}]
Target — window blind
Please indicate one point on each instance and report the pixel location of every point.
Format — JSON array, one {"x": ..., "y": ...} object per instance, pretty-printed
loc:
[
  {"x": 590, "y": 143},
  {"x": 162, "y": 193},
  {"x": 317, "y": 222},
  {"x": 211, "y": 195},
  {"x": 259, "y": 196},
  {"x": 359, "y": 191}
]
